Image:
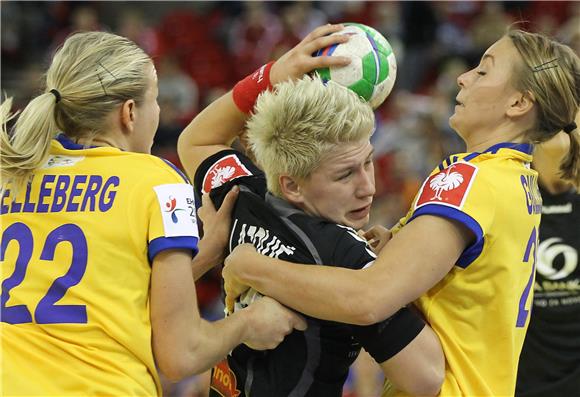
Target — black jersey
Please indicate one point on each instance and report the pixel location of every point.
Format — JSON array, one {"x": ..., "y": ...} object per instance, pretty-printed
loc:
[
  {"x": 550, "y": 359},
  {"x": 314, "y": 362}
]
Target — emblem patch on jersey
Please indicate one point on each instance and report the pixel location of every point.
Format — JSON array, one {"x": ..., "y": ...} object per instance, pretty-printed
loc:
[
  {"x": 227, "y": 168},
  {"x": 448, "y": 187},
  {"x": 223, "y": 380},
  {"x": 177, "y": 209}
]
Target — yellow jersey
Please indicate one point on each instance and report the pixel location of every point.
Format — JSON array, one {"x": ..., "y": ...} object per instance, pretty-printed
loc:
[
  {"x": 76, "y": 250},
  {"x": 480, "y": 310}
]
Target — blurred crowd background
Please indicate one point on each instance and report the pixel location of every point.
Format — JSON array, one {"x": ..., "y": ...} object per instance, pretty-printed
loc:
[{"x": 202, "y": 48}]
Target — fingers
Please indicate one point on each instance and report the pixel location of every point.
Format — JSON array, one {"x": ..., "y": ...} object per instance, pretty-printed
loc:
[
  {"x": 381, "y": 237},
  {"x": 373, "y": 242},
  {"x": 206, "y": 201},
  {"x": 298, "y": 322},
  {"x": 323, "y": 42},
  {"x": 377, "y": 232},
  {"x": 323, "y": 31},
  {"x": 369, "y": 234},
  {"x": 326, "y": 62},
  {"x": 230, "y": 298},
  {"x": 233, "y": 291},
  {"x": 295, "y": 320},
  {"x": 207, "y": 208},
  {"x": 229, "y": 200},
  {"x": 230, "y": 303},
  {"x": 322, "y": 61},
  {"x": 299, "y": 60},
  {"x": 377, "y": 237},
  {"x": 371, "y": 237}
]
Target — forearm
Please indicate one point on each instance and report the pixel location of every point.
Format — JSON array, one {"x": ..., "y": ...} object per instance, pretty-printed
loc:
[
  {"x": 418, "y": 257},
  {"x": 207, "y": 257},
  {"x": 215, "y": 340},
  {"x": 327, "y": 293}
]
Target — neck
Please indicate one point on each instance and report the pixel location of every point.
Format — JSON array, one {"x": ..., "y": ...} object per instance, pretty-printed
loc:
[
  {"x": 482, "y": 142},
  {"x": 102, "y": 141},
  {"x": 547, "y": 159}
]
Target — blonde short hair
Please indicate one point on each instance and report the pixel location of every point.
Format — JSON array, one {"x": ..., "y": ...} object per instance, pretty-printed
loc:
[{"x": 299, "y": 121}]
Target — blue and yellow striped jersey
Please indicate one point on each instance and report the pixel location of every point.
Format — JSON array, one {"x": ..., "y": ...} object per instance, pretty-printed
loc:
[
  {"x": 481, "y": 309},
  {"x": 77, "y": 248}
]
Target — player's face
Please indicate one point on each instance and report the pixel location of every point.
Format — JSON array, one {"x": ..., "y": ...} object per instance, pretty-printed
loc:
[
  {"x": 341, "y": 189},
  {"x": 147, "y": 115},
  {"x": 486, "y": 92}
]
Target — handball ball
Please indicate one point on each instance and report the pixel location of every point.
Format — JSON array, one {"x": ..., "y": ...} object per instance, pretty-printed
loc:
[{"x": 373, "y": 67}]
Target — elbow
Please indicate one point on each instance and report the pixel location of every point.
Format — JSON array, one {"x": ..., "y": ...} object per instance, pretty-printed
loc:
[
  {"x": 179, "y": 368},
  {"x": 175, "y": 365},
  {"x": 369, "y": 301},
  {"x": 174, "y": 369},
  {"x": 365, "y": 310}
]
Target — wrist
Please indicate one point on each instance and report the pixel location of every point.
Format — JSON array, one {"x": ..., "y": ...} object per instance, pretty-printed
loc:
[
  {"x": 247, "y": 90},
  {"x": 246, "y": 274},
  {"x": 244, "y": 319},
  {"x": 209, "y": 252},
  {"x": 205, "y": 260}
]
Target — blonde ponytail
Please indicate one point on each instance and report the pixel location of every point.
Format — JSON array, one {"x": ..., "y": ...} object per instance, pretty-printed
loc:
[
  {"x": 570, "y": 167},
  {"x": 26, "y": 149}
]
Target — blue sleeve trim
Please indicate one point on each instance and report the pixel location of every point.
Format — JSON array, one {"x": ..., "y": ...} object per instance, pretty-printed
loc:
[
  {"x": 169, "y": 163},
  {"x": 472, "y": 252},
  {"x": 164, "y": 243}
]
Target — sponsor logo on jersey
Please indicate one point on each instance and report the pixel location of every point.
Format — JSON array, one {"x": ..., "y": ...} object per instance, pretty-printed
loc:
[
  {"x": 548, "y": 251},
  {"x": 557, "y": 209},
  {"x": 55, "y": 160},
  {"x": 227, "y": 168},
  {"x": 177, "y": 209},
  {"x": 171, "y": 208},
  {"x": 449, "y": 187},
  {"x": 223, "y": 380}
]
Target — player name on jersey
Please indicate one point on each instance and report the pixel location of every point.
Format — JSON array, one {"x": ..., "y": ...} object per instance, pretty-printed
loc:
[{"x": 64, "y": 193}]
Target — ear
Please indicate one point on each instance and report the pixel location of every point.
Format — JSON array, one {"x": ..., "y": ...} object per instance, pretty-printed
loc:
[
  {"x": 521, "y": 103},
  {"x": 128, "y": 115},
  {"x": 290, "y": 188}
]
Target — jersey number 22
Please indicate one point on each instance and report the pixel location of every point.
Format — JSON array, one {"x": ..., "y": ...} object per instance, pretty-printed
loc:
[{"x": 46, "y": 312}]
